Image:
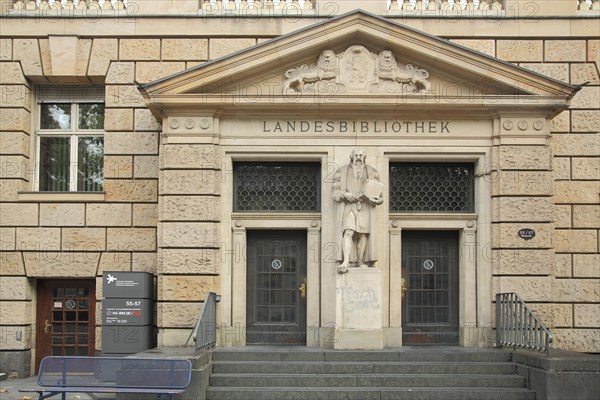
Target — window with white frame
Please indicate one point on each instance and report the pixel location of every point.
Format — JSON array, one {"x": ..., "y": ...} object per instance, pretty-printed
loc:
[{"x": 70, "y": 139}]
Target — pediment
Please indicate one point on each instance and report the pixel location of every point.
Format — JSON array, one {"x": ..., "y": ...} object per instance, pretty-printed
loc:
[{"x": 355, "y": 58}]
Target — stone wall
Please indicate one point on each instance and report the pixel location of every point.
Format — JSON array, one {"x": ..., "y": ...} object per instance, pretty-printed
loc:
[{"x": 138, "y": 226}]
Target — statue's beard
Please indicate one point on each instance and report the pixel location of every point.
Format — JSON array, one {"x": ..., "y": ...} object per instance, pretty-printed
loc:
[{"x": 357, "y": 169}]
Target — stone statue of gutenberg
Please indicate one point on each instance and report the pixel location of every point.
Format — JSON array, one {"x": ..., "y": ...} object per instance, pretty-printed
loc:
[{"x": 357, "y": 191}]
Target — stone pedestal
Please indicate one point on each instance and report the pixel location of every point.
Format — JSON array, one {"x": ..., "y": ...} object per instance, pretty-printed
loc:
[{"x": 358, "y": 309}]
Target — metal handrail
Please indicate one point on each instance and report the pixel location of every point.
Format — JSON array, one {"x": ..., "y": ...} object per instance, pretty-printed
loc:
[
  {"x": 205, "y": 330},
  {"x": 517, "y": 326}
]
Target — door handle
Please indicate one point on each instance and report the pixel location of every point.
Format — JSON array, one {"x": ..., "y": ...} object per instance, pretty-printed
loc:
[
  {"x": 47, "y": 325},
  {"x": 302, "y": 290}
]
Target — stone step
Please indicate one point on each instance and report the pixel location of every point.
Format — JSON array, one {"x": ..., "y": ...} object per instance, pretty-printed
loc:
[
  {"x": 433, "y": 354},
  {"x": 367, "y": 380},
  {"x": 368, "y": 393},
  {"x": 335, "y": 367}
]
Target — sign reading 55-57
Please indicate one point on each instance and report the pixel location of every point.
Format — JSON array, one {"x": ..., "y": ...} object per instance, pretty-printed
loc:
[{"x": 127, "y": 312}]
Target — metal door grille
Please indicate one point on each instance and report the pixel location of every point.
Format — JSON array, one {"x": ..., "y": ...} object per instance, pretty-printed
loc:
[
  {"x": 276, "y": 187},
  {"x": 431, "y": 187}
]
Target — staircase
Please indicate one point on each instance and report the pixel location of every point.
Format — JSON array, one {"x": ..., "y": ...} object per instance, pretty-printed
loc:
[{"x": 415, "y": 373}]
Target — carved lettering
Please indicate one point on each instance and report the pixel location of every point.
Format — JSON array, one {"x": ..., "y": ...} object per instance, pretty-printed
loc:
[{"x": 363, "y": 127}]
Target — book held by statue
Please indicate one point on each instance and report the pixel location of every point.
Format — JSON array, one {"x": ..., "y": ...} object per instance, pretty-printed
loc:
[{"x": 372, "y": 189}]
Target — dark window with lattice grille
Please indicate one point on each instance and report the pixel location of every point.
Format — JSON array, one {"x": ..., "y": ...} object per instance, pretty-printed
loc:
[
  {"x": 276, "y": 187},
  {"x": 431, "y": 187}
]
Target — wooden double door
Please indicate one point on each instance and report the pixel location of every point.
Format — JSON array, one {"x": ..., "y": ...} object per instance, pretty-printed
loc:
[{"x": 65, "y": 319}]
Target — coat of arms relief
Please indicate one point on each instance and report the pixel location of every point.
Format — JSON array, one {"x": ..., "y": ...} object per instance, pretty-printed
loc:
[{"x": 356, "y": 70}]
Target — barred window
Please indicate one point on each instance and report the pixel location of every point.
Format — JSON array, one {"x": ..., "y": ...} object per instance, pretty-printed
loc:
[
  {"x": 432, "y": 187},
  {"x": 70, "y": 139},
  {"x": 276, "y": 187}
]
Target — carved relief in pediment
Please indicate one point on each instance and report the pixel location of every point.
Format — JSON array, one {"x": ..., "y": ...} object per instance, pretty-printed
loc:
[{"x": 356, "y": 70}]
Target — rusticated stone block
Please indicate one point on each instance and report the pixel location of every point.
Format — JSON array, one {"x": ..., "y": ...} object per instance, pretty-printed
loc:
[
  {"x": 190, "y": 234},
  {"x": 11, "y": 263},
  {"x": 145, "y": 121},
  {"x": 485, "y": 46},
  {"x": 587, "y": 97},
  {"x": 563, "y": 266},
  {"x": 523, "y": 157},
  {"x": 178, "y": 315},
  {"x": 28, "y": 52},
  {"x": 9, "y": 342},
  {"x": 186, "y": 287},
  {"x": 14, "y": 119},
  {"x": 576, "y": 241},
  {"x": 151, "y": 71},
  {"x": 66, "y": 214},
  {"x": 577, "y": 145},
  {"x": 145, "y": 215},
  {"x": 118, "y": 119},
  {"x": 576, "y": 192},
  {"x": 16, "y": 312},
  {"x": 139, "y": 49},
  {"x": 533, "y": 183},
  {"x": 9, "y": 189},
  {"x": 587, "y": 315},
  {"x": 15, "y": 288},
  {"x": 189, "y": 182},
  {"x": 189, "y": 261},
  {"x": 581, "y": 340},
  {"x": 14, "y": 167},
  {"x": 110, "y": 261},
  {"x": 586, "y": 168},
  {"x": 576, "y": 290},
  {"x": 84, "y": 239},
  {"x": 508, "y": 209},
  {"x": 12, "y": 74},
  {"x": 118, "y": 166},
  {"x": 5, "y": 49},
  {"x": 586, "y": 265},
  {"x": 15, "y": 96},
  {"x": 553, "y": 315},
  {"x": 561, "y": 123},
  {"x": 186, "y": 156},
  {"x": 61, "y": 264},
  {"x": 131, "y": 239},
  {"x": 585, "y": 121},
  {"x": 530, "y": 288},
  {"x": 505, "y": 235},
  {"x": 144, "y": 262},
  {"x": 586, "y": 216},
  {"x": 18, "y": 214},
  {"x": 556, "y": 71},
  {"x": 124, "y": 96},
  {"x": 107, "y": 214},
  {"x": 565, "y": 50},
  {"x": 186, "y": 208},
  {"x": 563, "y": 216},
  {"x": 185, "y": 49},
  {"x": 38, "y": 239},
  {"x": 582, "y": 73},
  {"x": 123, "y": 190},
  {"x": 562, "y": 168},
  {"x": 520, "y": 50},
  {"x": 121, "y": 72},
  {"x": 8, "y": 239},
  {"x": 131, "y": 143},
  {"x": 145, "y": 167},
  {"x": 103, "y": 52},
  {"x": 84, "y": 47},
  {"x": 222, "y": 47},
  {"x": 14, "y": 143},
  {"x": 523, "y": 262}
]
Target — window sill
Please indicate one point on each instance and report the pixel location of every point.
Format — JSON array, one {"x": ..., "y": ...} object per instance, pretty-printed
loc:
[{"x": 65, "y": 197}]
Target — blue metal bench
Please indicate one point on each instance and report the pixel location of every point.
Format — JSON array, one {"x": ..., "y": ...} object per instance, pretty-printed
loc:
[{"x": 163, "y": 377}]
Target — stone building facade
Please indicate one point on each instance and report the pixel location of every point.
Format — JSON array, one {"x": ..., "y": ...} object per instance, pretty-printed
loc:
[{"x": 181, "y": 98}]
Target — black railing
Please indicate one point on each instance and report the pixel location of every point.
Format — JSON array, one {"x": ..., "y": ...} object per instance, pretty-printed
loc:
[
  {"x": 205, "y": 330},
  {"x": 517, "y": 326}
]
